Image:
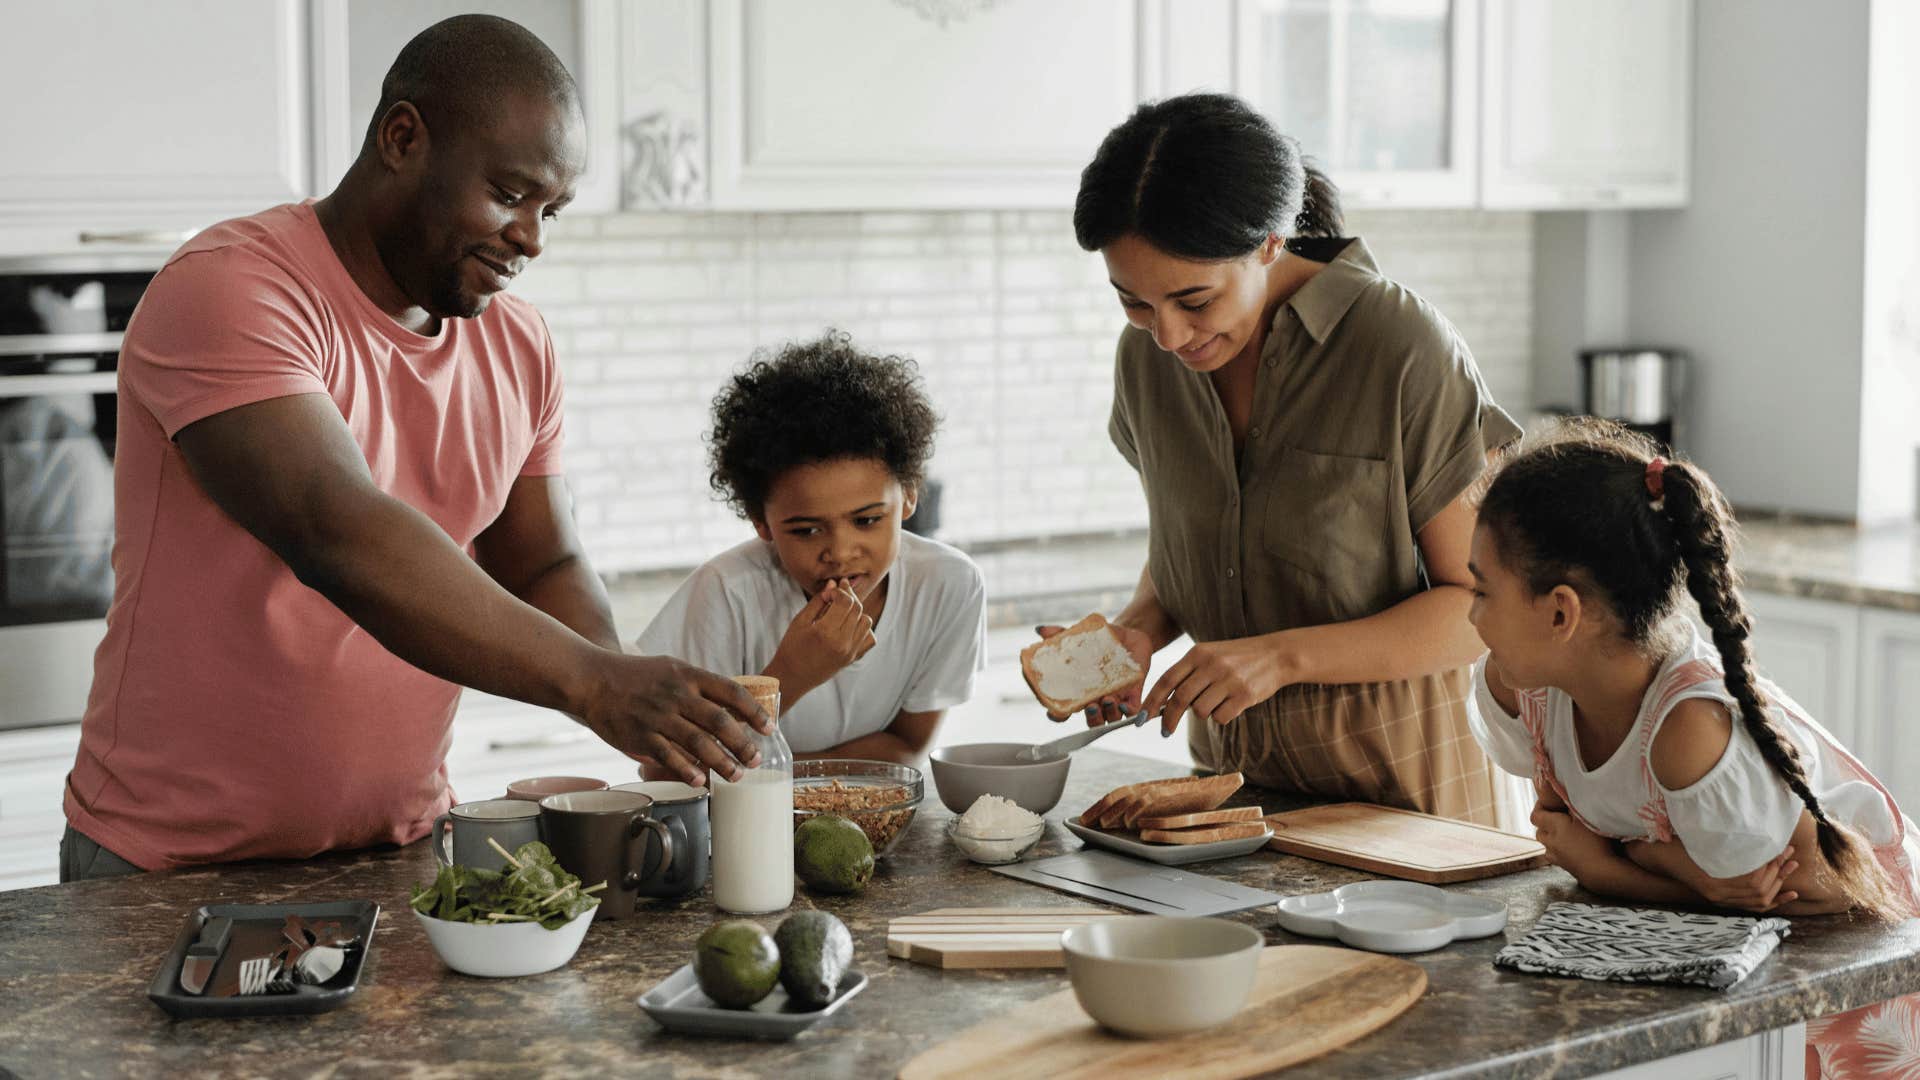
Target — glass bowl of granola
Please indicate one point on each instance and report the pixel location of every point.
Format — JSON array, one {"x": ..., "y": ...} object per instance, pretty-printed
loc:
[{"x": 879, "y": 796}]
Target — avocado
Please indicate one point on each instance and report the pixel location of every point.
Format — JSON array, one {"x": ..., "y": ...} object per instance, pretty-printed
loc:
[
  {"x": 736, "y": 963},
  {"x": 832, "y": 855},
  {"x": 815, "y": 949}
]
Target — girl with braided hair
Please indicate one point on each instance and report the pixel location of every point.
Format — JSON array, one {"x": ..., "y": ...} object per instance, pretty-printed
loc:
[{"x": 1667, "y": 769}]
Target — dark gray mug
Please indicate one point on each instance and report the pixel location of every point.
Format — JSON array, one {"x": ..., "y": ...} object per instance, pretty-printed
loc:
[
  {"x": 509, "y": 822},
  {"x": 683, "y": 809},
  {"x": 603, "y": 836}
]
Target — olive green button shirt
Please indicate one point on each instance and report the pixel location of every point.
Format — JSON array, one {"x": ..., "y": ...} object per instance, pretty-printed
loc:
[{"x": 1369, "y": 418}]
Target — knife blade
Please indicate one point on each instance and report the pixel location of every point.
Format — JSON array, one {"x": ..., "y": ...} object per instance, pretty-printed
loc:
[
  {"x": 204, "y": 953},
  {"x": 1067, "y": 745}
]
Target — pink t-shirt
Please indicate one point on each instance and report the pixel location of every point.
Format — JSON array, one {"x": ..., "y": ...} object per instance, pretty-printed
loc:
[{"x": 236, "y": 713}]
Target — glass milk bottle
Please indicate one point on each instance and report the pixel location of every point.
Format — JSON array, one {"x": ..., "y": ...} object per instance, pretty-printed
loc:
[{"x": 753, "y": 820}]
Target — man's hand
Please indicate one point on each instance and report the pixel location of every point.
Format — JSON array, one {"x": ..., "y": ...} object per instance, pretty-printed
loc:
[
  {"x": 832, "y": 631},
  {"x": 1572, "y": 846},
  {"x": 1217, "y": 681},
  {"x": 1127, "y": 701},
  {"x": 688, "y": 720}
]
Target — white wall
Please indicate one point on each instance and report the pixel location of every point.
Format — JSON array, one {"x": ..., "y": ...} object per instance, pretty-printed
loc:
[
  {"x": 1580, "y": 295},
  {"x": 1890, "y": 364},
  {"x": 1761, "y": 275},
  {"x": 1013, "y": 326}
]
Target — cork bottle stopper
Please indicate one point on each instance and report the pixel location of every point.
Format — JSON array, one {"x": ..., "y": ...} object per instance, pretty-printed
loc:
[{"x": 765, "y": 690}]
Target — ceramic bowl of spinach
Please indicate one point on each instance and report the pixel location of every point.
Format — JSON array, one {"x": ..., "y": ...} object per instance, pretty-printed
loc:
[{"x": 528, "y": 918}]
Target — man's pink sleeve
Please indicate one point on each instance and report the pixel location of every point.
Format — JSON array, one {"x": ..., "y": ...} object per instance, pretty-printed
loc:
[
  {"x": 549, "y": 416},
  {"x": 217, "y": 330}
]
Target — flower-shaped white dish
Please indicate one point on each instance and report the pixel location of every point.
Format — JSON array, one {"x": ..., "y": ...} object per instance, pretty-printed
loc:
[{"x": 1392, "y": 916}]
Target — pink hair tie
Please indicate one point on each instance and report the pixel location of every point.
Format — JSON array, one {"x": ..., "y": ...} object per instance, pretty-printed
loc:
[{"x": 1656, "y": 481}]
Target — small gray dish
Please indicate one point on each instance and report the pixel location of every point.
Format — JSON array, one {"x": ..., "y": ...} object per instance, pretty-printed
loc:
[
  {"x": 1170, "y": 854},
  {"x": 678, "y": 1005},
  {"x": 1392, "y": 916}
]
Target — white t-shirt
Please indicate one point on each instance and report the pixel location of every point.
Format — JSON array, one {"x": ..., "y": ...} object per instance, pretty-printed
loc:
[{"x": 731, "y": 613}]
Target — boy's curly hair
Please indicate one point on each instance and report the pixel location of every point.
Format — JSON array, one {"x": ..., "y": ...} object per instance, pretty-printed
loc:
[{"x": 813, "y": 401}]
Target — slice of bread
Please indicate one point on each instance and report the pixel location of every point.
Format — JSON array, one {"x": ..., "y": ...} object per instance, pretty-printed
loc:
[
  {"x": 1202, "y": 793},
  {"x": 1204, "y": 817},
  {"x": 1130, "y": 803},
  {"x": 1078, "y": 666},
  {"x": 1206, "y": 834}
]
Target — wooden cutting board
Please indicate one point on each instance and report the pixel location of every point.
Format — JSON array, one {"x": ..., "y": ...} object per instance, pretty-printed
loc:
[
  {"x": 1308, "y": 999},
  {"x": 988, "y": 937},
  {"x": 1402, "y": 843}
]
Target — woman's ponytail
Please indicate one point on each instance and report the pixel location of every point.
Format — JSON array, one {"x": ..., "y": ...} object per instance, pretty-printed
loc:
[
  {"x": 1701, "y": 523},
  {"x": 1320, "y": 214}
]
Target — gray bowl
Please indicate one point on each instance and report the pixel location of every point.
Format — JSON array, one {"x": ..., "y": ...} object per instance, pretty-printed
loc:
[{"x": 962, "y": 774}]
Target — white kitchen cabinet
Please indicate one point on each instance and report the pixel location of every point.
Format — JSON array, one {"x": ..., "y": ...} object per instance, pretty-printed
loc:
[
  {"x": 33, "y": 771},
  {"x": 1586, "y": 104},
  {"x": 1811, "y": 650},
  {"x": 1382, "y": 93},
  {"x": 861, "y": 105},
  {"x": 1779, "y": 1054},
  {"x": 356, "y": 41},
  {"x": 1890, "y": 699},
  {"x": 128, "y": 124}
]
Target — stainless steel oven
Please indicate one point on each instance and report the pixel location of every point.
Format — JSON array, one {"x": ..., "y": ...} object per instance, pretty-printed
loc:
[{"x": 61, "y": 320}]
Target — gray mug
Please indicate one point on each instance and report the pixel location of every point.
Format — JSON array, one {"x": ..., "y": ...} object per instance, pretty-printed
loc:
[
  {"x": 683, "y": 809},
  {"x": 508, "y": 822}
]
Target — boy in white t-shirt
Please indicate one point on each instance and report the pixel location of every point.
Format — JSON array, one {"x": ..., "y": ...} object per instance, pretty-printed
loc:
[{"x": 873, "y": 632}]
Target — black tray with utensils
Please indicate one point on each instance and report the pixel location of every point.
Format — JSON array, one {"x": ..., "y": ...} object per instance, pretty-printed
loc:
[{"x": 259, "y": 930}]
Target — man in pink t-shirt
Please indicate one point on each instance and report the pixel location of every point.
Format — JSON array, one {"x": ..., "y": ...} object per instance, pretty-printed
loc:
[{"x": 338, "y": 499}]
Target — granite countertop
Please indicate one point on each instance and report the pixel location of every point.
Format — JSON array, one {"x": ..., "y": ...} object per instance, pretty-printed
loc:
[
  {"x": 75, "y": 961},
  {"x": 1874, "y": 565}
]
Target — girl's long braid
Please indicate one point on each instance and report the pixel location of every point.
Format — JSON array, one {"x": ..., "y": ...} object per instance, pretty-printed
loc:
[{"x": 1701, "y": 520}]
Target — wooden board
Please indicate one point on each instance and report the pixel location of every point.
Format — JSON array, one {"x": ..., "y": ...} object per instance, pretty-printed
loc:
[
  {"x": 988, "y": 937},
  {"x": 1308, "y": 999},
  {"x": 1402, "y": 843}
]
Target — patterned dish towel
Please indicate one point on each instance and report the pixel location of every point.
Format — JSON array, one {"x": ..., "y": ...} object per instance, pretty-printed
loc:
[{"x": 1589, "y": 941}]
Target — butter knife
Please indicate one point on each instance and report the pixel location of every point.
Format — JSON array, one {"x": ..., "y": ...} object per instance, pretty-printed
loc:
[
  {"x": 204, "y": 953},
  {"x": 1062, "y": 747}
]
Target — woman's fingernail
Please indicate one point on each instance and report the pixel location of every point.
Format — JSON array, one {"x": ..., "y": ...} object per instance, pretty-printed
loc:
[{"x": 1166, "y": 733}]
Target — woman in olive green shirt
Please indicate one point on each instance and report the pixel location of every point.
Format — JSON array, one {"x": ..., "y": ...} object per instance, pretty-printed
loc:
[{"x": 1306, "y": 431}]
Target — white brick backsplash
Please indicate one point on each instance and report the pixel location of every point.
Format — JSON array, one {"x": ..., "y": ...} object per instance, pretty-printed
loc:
[{"x": 1012, "y": 324}]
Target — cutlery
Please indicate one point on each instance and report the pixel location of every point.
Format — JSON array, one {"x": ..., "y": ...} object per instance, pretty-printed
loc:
[
  {"x": 204, "y": 953},
  {"x": 1062, "y": 747}
]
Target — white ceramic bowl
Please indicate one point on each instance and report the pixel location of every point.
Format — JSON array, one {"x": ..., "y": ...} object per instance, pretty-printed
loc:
[
  {"x": 1154, "y": 976},
  {"x": 508, "y": 950}
]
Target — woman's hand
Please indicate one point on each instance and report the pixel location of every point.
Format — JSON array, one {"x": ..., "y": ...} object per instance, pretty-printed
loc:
[
  {"x": 1572, "y": 846},
  {"x": 1218, "y": 681},
  {"x": 1126, "y": 702}
]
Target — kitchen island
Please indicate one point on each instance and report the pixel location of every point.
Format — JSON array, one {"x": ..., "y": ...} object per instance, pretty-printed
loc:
[{"x": 75, "y": 962}]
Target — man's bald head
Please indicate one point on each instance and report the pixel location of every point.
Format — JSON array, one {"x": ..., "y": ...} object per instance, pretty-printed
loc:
[{"x": 459, "y": 72}]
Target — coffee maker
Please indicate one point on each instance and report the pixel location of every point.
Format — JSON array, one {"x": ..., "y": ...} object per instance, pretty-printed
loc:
[{"x": 1644, "y": 389}]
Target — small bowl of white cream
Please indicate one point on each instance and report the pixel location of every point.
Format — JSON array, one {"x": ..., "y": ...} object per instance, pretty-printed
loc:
[{"x": 995, "y": 831}]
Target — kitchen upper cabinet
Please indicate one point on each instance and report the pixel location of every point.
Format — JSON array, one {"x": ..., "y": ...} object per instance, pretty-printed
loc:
[
  {"x": 1587, "y": 104},
  {"x": 1382, "y": 93},
  {"x": 862, "y": 104},
  {"x": 1889, "y": 692},
  {"x": 128, "y": 124},
  {"x": 356, "y": 41}
]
